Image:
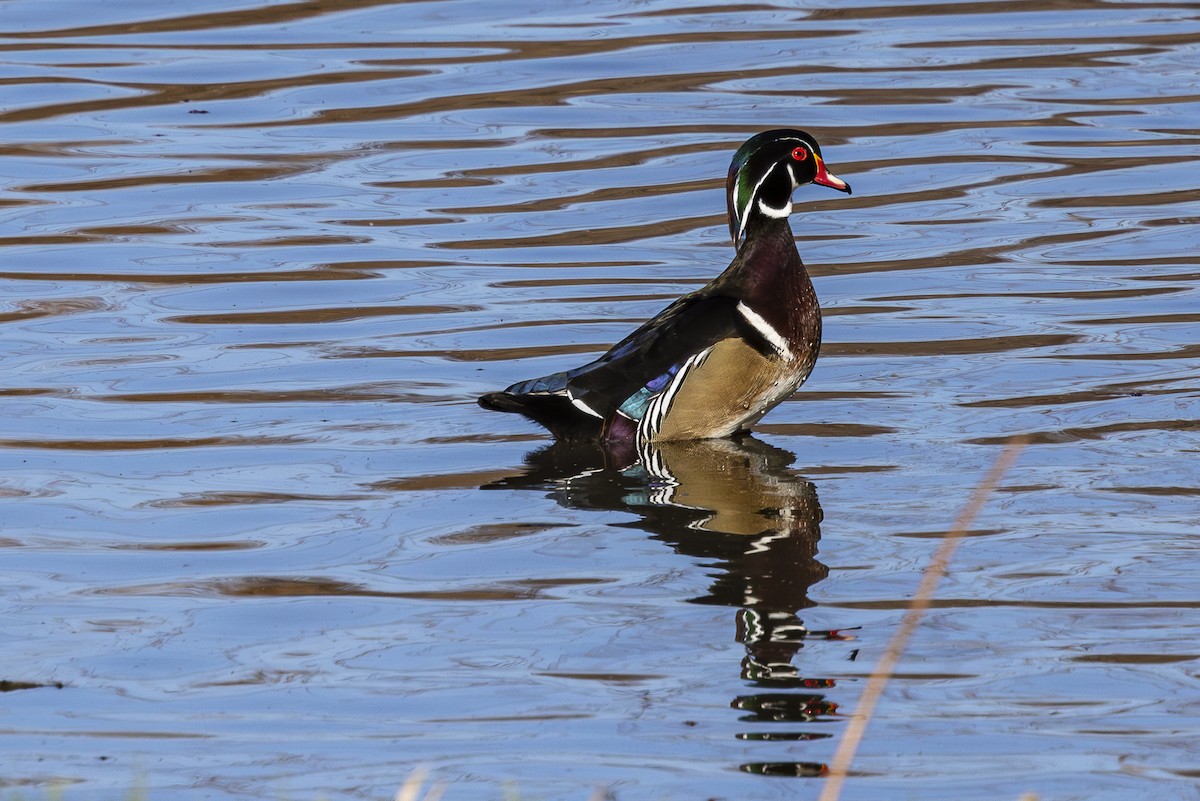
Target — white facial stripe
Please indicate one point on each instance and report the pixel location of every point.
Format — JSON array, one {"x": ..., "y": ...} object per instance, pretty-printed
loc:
[
  {"x": 749, "y": 200},
  {"x": 792, "y": 173},
  {"x": 763, "y": 327}
]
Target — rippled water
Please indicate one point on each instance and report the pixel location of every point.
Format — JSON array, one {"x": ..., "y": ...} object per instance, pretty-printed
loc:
[{"x": 258, "y": 259}]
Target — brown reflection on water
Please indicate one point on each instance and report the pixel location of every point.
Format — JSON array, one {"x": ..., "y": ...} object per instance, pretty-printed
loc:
[
  {"x": 173, "y": 443},
  {"x": 1131, "y": 389},
  {"x": 314, "y": 316},
  {"x": 313, "y": 586},
  {"x": 1082, "y": 433},
  {"x": 33, "y": 309},
  {"x": 735, "y": 506},
  {"x": 260, "y": 15}
]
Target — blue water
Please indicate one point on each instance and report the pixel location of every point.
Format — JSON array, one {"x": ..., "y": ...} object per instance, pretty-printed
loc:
[{"x": 258, "y": 259}]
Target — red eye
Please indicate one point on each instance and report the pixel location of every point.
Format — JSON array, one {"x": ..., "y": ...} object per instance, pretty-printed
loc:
[{"x": 800, "y": 154}]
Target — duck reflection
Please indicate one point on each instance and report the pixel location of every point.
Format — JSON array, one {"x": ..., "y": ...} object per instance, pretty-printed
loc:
[{"x": 735, "y": 504}]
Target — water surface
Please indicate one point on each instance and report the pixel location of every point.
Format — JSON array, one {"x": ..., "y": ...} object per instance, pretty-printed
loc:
[{"x": 259, "y": 258}]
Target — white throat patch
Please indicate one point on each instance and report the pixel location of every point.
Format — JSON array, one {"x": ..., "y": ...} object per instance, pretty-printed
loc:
[
  {"x": 771, "y": 211},
  {"x": 753, "y": 196}
]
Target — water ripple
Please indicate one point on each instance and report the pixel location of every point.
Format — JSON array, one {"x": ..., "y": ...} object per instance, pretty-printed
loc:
[{"x": 260, "y": 257}]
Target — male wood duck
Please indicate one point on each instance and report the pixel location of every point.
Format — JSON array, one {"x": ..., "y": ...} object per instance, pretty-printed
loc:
[{"x": 716, "y": 360}]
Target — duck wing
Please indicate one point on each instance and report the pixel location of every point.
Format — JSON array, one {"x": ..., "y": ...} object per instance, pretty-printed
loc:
[{"x": 633, "y": 372}]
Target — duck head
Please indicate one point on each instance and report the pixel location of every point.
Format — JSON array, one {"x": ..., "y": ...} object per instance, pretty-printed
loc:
[{"x": 766, "y": 170}]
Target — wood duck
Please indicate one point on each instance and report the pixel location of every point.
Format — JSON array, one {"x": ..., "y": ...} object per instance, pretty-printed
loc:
[{"x": 716, "y": 360}]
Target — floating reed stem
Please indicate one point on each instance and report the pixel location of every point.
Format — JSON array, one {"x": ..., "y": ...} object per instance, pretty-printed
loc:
[{"x": 885, "y": 668}]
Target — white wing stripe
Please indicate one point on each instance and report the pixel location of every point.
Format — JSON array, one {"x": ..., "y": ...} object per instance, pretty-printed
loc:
[
  {"x": 583, "y": 407},
  {"x": 656, "y": 412}
]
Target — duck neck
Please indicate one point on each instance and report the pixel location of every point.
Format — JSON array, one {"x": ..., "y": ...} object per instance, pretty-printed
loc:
[
  {"x": 767, "y": 256},
  {"x": 770, "y": 278}
]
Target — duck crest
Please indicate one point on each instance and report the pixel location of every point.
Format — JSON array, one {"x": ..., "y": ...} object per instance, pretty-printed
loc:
[{"x": 714, "y": 361}]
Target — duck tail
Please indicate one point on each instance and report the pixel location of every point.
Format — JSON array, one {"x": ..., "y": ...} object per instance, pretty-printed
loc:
[
  {"x": 502, "y": 402},
  {"x": 554, "y": 412}
]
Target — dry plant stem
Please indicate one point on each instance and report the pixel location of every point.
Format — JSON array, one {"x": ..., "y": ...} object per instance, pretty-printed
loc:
[
  {"x": 411, "y": 789},
  {"x": 886, "y": 666}
]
